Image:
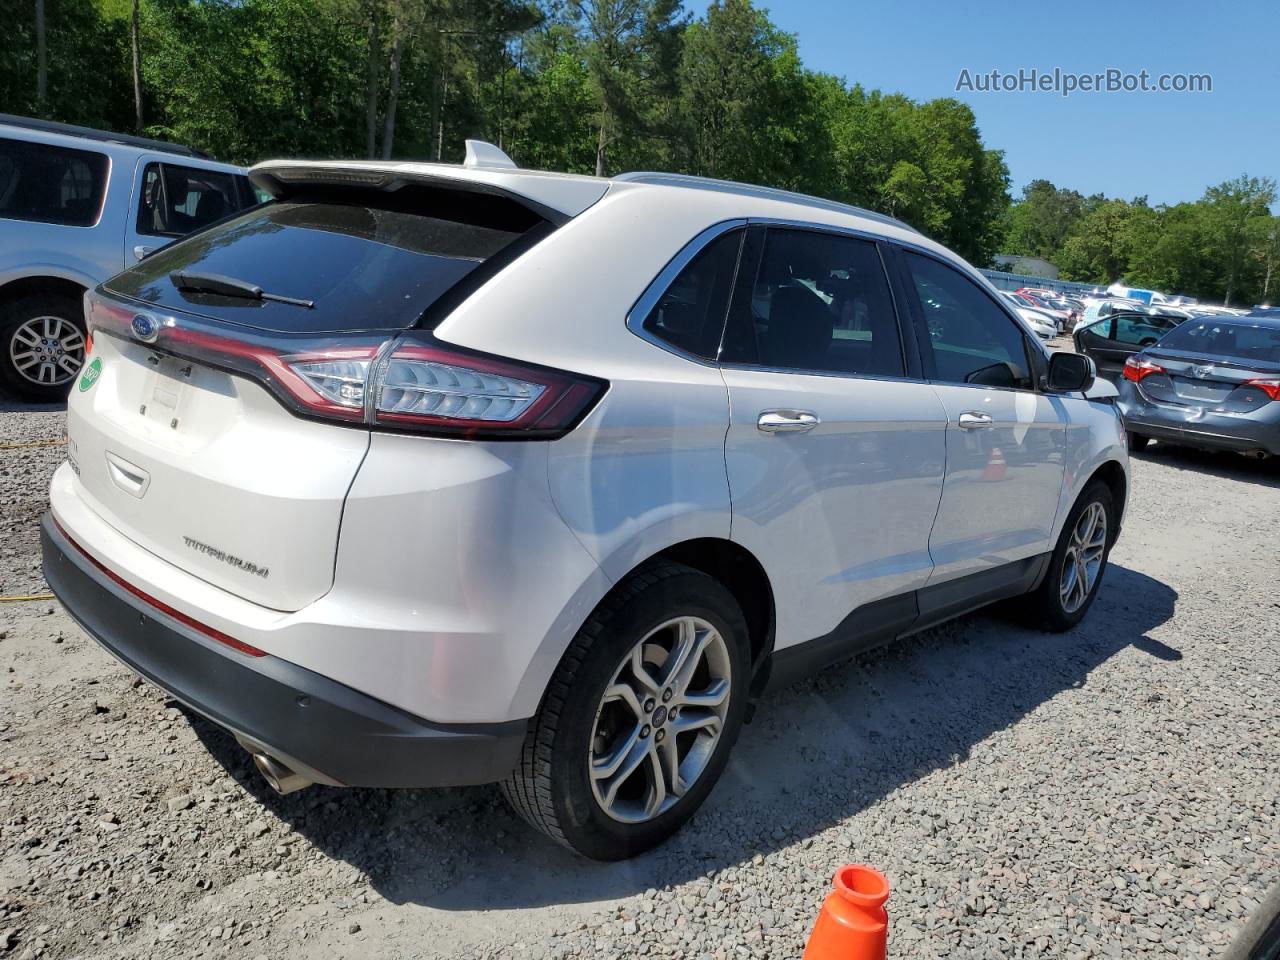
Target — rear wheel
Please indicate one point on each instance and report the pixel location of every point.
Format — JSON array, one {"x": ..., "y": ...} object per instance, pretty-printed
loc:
[
  {"x": 42, "y": 343},
  {"x": 1077, "y": 564},
  {"x": 639, "y": 718},
  {"x": 1136, "y": 441}
]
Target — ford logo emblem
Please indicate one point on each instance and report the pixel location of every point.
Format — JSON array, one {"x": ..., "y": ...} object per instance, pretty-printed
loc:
[{"x": 145, "y": 328}]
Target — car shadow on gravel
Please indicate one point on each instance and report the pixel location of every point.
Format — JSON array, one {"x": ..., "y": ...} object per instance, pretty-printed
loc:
[
  {"x": 1230, "y": 466},
  {"x": 815, "y": 754}
]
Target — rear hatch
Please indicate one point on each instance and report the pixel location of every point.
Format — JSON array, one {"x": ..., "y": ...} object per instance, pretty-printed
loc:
[
  {"x": 198, "y": 432},
  {"x": 1214, "y": 365}
]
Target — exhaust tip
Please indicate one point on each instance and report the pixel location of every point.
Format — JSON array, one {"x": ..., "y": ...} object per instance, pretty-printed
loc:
[{"x": 282, "y": 779}]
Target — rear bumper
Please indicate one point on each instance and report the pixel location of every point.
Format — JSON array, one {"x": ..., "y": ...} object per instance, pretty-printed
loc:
[
  {"x": 1196, "y": 427},
  {"x": 323, "y": 729}
]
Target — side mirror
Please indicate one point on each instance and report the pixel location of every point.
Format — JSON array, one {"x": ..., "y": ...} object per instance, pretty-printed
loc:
[{"x": 1070, "y": 373}]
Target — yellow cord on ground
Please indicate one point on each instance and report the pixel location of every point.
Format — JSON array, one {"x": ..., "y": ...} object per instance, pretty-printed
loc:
[
  {"x": 33, "y": 443},
  {"x": 34, "y": 596}
]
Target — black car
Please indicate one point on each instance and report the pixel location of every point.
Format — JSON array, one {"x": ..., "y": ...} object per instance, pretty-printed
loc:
[
  {"x": 1112, "y": 339},
  {"x": 1214, "y": 382}
]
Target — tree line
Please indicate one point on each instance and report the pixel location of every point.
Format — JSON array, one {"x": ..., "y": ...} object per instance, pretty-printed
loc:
[
  {"x": 593, "y": 86},
  {"x": 1223, "y": 247}
]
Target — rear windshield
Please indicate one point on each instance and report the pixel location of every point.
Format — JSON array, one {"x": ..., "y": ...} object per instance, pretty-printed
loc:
[
  {"x": 365, "y": 265},
  {"x": 1240, "y": 342},
  {"x": 51, "y": 184}
]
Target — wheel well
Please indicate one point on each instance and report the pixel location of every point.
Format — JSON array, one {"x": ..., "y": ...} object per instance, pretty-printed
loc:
[
  {"x": 1112, "y": 474},
  {"x": 741, "y": 573},
  {"x": 17, "y": 289}
]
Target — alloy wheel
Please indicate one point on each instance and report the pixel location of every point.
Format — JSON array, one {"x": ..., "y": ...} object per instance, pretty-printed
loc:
[
  {"x": 660, "y": 719},
  {"x": 47, "y": 351},
  {"x": 1083, "y": 559}
]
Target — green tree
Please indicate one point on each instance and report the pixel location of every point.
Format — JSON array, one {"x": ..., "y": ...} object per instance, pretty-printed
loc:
[
  {"x": 1043, "y": 219},
  {"x": 1231, "y": 208}
]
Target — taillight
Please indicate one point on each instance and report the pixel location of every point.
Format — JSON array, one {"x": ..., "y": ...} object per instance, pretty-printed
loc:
[
  {"x": 438, "y": 389},
  {"x": 412, "y": 382},
  {"x": 1271, "y": 386},
  {"x": 1135, "y": 368}
]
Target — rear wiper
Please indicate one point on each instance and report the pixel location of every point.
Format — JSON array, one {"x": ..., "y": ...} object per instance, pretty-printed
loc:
[{"x": 230, "y": 287}]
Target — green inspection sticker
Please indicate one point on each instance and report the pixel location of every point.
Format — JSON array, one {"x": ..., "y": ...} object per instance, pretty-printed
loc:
[{"x": 91, "y": 374}]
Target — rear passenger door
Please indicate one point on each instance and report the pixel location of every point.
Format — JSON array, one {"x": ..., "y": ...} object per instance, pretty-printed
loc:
[
  {"x": 1005, "y": 439},
  {"x": 835, "y": 447},
  {"x": 170, "y": 200}
]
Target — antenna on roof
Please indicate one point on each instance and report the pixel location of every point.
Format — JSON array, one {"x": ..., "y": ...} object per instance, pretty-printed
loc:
[{"x": 482, "y": 154}]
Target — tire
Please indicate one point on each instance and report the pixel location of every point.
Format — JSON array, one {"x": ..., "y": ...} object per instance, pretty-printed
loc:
[
  {"x": 42, "y": 341},
  {"x": 557, "y": 786},
  {"x": 1136, "y": 441},
  {"x": 1045, "y": 606}
]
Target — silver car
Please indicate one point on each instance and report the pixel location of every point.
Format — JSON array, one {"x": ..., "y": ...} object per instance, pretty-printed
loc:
[
  {"x": 76, "y": 206},
  {"x": 1213, "y": 382}
]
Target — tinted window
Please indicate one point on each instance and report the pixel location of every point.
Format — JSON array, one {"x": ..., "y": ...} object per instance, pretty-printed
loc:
[
  {"x": 1250, "y": 343},
  {"x": 1131, "y": 328},
  {"x": 51, "y": 184},
  {"x": 176, "y": 200},
  {"x": 973, "y": 340},
  {"x": 366, "y": 267},
  {"x": 821, "y": 302},
  {"x": 690, "y": 313}
]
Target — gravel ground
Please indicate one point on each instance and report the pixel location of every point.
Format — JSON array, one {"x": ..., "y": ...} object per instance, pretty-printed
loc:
[{"x": 1111, "y": 792}]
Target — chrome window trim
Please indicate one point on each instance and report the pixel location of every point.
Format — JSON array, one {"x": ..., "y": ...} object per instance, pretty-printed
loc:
[{"x": 659, "y": 285}]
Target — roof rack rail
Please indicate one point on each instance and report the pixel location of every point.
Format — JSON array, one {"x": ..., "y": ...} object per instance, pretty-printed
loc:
[
  {"x": 753, "y": 190},
  {"x": 103, "y": 136}
]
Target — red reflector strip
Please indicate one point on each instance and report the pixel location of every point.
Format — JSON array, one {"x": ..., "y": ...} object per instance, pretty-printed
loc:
[{"x": 163, "y": 607}]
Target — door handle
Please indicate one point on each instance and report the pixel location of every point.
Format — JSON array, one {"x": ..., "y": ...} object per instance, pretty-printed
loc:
[
  {"x": 975, "y": 421},
  {"x": 141, "y": 251},
  {"x": 786, "y": 421}
]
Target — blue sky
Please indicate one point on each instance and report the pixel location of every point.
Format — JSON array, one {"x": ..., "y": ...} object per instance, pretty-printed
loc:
[{"x": 1169, "y": 146}]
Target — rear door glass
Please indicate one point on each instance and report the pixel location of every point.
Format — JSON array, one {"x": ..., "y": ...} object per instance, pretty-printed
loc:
[
  {"x": 365, "y": 266},
  {"x": 51, "y": 184},
  {"x": 176, "y": 200}
]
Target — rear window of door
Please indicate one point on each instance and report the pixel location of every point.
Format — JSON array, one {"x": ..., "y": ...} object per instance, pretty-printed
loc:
[
  {"x": 368, "y": 261},
  {"x": 175, "y": 200},
  {"x": 971, "y": 338},
  {"x": 49, "y": 184},
  {"x": 820, "y": 303}
]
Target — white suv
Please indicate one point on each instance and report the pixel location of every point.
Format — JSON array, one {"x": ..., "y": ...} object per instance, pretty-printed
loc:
[
  {"x": 429, "y": 475},
  {"x": 76, "y": 206}
]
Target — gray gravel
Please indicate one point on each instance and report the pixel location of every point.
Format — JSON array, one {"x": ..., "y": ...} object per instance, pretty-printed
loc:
[{"x": 1107, "y": 793}]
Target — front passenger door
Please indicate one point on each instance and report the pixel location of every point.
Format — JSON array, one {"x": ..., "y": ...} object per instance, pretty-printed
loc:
[{"x": 1005, "y": 440}]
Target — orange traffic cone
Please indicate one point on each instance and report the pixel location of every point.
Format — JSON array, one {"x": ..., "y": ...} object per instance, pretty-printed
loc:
[
  {"x": 852, "y": 924},
  {"x": 997, "y": 465}
]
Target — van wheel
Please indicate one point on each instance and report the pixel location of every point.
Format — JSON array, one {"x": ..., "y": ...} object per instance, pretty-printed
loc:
[
  {"x": 1077, "y": 564},
  {"x": 639, "y": 718},
  {"x": 42, "y": 343},
  {"x": 1136, "y": 441}
]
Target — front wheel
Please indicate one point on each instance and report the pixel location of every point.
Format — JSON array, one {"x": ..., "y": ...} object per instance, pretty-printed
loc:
[
  {"x": 1078, "y": 562},
  {"x": 639, "y": 718}
]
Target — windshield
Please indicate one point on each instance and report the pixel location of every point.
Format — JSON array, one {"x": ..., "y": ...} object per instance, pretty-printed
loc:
[{"x": 1247, "y": 343}]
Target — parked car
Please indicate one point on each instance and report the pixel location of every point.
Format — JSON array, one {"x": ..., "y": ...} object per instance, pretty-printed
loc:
[
  {"x": 1041, "y": 324},
  {"x": 76, "y": 206},
  {"x": 1214, "y": 383},
  {"x": 1111, "y": 340},
  {"x": 473, "y": 506}
]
